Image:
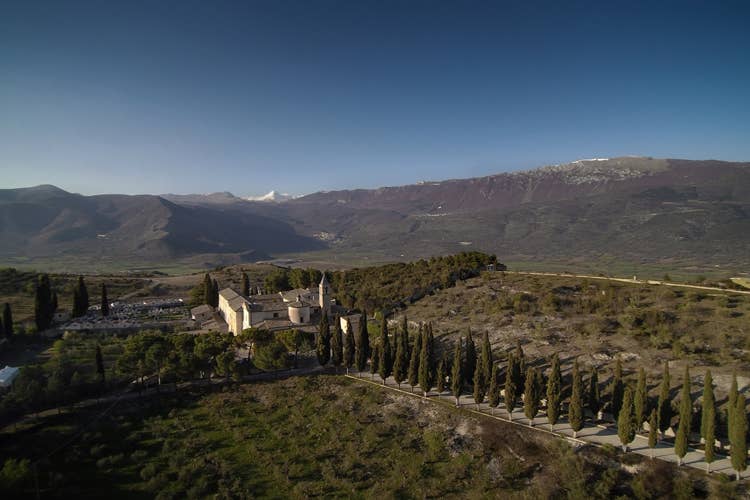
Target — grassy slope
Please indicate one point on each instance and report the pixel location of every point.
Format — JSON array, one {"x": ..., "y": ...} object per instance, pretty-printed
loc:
[{"x": 312, "y": 436}]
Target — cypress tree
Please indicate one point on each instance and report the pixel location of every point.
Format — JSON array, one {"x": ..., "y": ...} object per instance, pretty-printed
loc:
[
  {"x": 76, "y": 311},
  {"x": 385, "y": 363},
  {"x": 532, "y": 394},
  {"x": 208, "y": 290},
  {"x": 105, "y": 301},
  {"x": 486, "y": 357},
  {"x": 7, "y": 320},
  {"x": 42, "y": 304},
  {"x": 83, "y": 295},
  {"x": 337, "y": 344},
  {"x": 625, "y": 429},
  {"x": 374, "y": 360},
  {"x": 554, "y": 386},
  {"x": 245, "y": 285},
  {"x": 425, "y": 363},
  {"x": 593, "y": 399},
  {"x": 708, "y": 419},
  {"x": 399, "y": 368},
  {"x": 416, "y": 352},
  {"x": 653, "y": 430},
  {"x": 732, "y": 401},
  {"x": 683, "y": 430},
  {"x": 215, "y": 294},
  {"x": 349, "y": 348},
  {"x": 471, "y": 358},
  {"x": 640, "y": 400},
  {"x": 323, "y": 342},
  {"x": 100, "y": 364},
  {"x": 664, "y": 406},
  {"x": 457, "y": 373},
  {"x": 520, "y": 358},
  {"x": 575, "y": 408},
  {"x": 440, "y": 376},
  {"x": 738, "y": 436},
  {"x": 480, "y": 385},
  {"x": 362, "y": 341},
  {"x": 511, "y": 389},
  {"x": 616, "y": 389},
  {"x": 54, "y": 301},
  {"x": 493, "y": 393}
]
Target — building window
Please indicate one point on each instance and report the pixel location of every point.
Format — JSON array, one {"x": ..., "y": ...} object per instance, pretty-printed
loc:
[{"x": 275, "y": 315}]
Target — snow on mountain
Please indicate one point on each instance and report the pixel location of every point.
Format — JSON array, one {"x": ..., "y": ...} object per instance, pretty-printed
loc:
[{"x": 272, "y": 196}]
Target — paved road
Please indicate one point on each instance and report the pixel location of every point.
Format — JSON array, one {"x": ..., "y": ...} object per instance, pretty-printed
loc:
[
  {"x": 632, "y": 281},
  {"x": 594, "y": 434}
]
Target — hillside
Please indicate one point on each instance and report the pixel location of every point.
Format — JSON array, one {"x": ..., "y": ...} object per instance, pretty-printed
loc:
[
  {"x": 47, "y": 222},
  {"x": 339, "y": 439}
]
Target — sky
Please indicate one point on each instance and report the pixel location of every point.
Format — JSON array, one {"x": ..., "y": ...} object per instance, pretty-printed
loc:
[{"x": 301, "y": 96}]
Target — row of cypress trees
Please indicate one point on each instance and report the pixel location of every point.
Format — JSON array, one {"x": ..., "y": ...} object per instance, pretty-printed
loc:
[
  {"x": 210, "y": 291},
  {"x": 415, "y": 364}
]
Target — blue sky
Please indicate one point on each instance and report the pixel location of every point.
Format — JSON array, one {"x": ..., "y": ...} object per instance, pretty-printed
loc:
[{"x": 184, "y": 97}]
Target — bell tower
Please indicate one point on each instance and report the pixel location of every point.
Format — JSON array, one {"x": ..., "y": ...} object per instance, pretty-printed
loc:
[{"x": 324, "y": 294}]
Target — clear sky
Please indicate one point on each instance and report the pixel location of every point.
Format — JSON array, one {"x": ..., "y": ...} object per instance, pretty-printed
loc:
[{"x": 298, "y": 96}]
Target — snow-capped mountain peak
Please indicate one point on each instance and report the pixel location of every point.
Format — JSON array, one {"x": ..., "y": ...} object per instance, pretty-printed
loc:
[{"x": 272, "y": 196}]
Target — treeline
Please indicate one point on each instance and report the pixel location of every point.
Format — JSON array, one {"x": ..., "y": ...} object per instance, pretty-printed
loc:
[
  {"x": 282, "y": 279},
  {"x": 516, "y": 380},
  {"x": 392, "y": 286}
]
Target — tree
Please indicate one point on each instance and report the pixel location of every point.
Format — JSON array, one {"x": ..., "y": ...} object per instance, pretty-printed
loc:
[
  {"x": 554, "y": 388},
  {"x": 215, "y": 294},
  {"x": 575, "y": 408},
  {"x": 362, "y": 341},
  {"x": 732, "y": 401},
  {"x": 440, "y": 376},
  {"x": 664, "y": 406},
  {"x": 337, "y": 344},
  {"x": 653, "y": 430},
  {"x": 374, "y": 360},
  {"x": 425, "y": 363},
  {"x": 457, "y": 373},
  {"x": 208, "y": 290},
  {"x": 686, "y": 413},
  {"x": 480, "y": 385},
  {"x": 80, "y": 298},
  {"x": 520, "y": 373},
  {"x": 486, "y": 357},
  {"x": 42, "y": 304},
  {"x": 100, "y": 364},
  {"x": 640, "y": 400},
  {"x": 532, "y": 394},
  {"x": 386, "y": 359},
  {"x": 511, "y": 389},
  {"x": 7, "y": 320},
  {"x": 323, "y": 342},
  {"x": 493, "y": 393},
  {"x": 416, "y": 352},
  {"x": 401, "y": 361},
  {"x": 349, "y": 348},
  {"x": 105, "y": 301},
  {"x": 471, "y": 358},
  {"x": 738, "y": 436},
  {"x": 54, "y": 301},
  {"x": 616, "y": 390},
  {"x": 708, "y": 419},
  {"x": 625, "y": 430},
  {"x": 593, "y": 399},
  {"x": 245, "y": 284}
]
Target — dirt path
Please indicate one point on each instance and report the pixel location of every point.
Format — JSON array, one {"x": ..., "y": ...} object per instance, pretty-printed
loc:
[{"x": 631, "y": 281}]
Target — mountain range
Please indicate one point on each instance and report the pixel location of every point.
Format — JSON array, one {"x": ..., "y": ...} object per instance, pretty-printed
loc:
[{"x": 633, "y": 209}]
